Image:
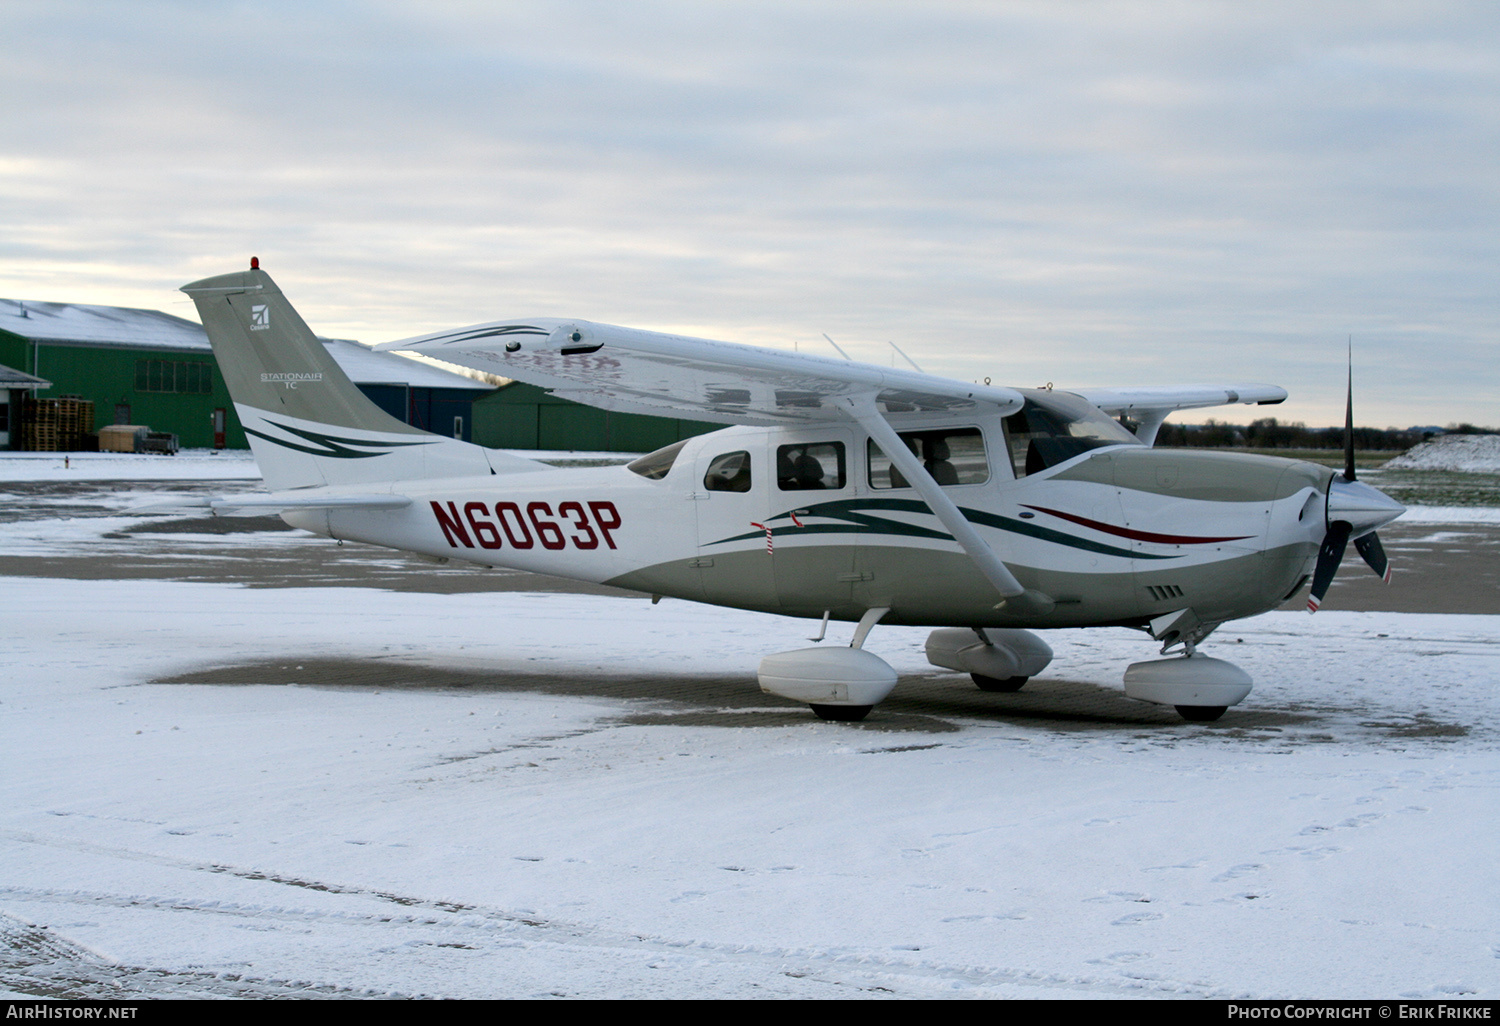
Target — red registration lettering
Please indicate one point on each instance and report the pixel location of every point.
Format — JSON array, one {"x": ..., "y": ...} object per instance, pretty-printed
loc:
[
  {"x": 547, "y": 530},
  {"x": 580, "y": 521},
  {"x": 504, "y": 511},
  {"x": 518, "y": 526},
  {"x": 607, "y": 517},
  {"x": 484, "y": 531},
  {"x": 452, "y": 525}
]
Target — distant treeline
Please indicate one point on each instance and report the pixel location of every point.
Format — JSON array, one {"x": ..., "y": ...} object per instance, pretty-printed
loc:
[{"x": 1269, "y": 433}]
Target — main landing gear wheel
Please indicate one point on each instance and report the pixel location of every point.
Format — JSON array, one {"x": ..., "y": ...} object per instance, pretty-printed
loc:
[
  {"x": 1201, "y": 713},
  {"x": 841, "y": 713},
  {"x": 999, "y": 683}
]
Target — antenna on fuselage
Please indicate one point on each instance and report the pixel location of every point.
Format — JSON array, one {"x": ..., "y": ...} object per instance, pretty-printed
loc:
[
  {"x": 836, "y": 346},
  {"x": 908, "y": 359}
]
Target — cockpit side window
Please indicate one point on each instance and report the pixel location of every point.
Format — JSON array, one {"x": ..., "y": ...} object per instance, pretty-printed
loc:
[
  {"x": 810, "y": 466},
  {"x": 951, "y": 456},
  {"x": 655, "y": 465},
  {"x": 728, "y": 473},
  {"x": 1053, "y": 427}
]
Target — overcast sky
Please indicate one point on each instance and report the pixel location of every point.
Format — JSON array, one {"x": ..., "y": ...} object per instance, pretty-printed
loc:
[{"x": 1088, "y": 193}]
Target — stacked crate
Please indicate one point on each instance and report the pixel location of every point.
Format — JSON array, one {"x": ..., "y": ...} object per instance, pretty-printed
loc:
[{"x": 56, "y": 425}]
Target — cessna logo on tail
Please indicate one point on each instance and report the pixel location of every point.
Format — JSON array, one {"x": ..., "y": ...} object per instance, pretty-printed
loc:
[
  {"x": 290, "y": 380},
  {"x": 260, "y": 317}
]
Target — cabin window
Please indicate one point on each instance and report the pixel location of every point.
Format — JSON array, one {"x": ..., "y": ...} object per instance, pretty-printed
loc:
[
  {"x": 810, "y": 466},
  {"x": 1053, "y": 427},
  {"x": 952, "y": 457},
  {"x": 728, "y": 473},
  {"x": 654, "y": 465}
]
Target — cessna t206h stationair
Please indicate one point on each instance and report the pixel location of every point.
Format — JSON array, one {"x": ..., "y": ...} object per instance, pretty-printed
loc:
[{"x": 844, "y": 490}]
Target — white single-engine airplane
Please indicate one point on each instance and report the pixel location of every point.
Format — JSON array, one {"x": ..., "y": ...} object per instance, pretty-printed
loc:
[{"x": 846, "y": 491}]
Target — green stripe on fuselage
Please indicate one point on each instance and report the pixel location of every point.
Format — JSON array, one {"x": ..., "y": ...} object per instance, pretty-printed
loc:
[{"x": 853, "y": 510}]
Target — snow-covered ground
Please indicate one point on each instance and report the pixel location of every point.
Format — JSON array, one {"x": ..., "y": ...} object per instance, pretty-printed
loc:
[
  {"x": 1470, "y": 454},
  {"x": 214, "y": 790},
  {"x": 186, "y": 465},
  {"x": 490, "y": 834},
  {"x": 1450, "y": 515}
]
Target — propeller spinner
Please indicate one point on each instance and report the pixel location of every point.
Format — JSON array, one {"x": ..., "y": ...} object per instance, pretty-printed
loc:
[{"x": 1354, "y": 510}]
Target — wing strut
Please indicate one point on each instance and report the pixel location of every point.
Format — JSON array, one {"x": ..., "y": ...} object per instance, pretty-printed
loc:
[{"x": 1015, "y": 597}]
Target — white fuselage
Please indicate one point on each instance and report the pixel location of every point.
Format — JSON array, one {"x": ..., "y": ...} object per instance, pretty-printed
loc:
[{"x": 1118, "y": 534}]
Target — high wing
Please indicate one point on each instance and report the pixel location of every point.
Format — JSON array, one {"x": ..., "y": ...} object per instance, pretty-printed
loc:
[{"x": 650, "y": 372}]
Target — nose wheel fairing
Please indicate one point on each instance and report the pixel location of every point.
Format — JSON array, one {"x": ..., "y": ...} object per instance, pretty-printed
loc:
[{"x": 1194, "y": 682}]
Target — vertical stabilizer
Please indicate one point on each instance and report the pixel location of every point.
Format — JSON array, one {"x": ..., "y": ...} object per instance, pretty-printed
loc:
[{"x": 308, "y": 424}]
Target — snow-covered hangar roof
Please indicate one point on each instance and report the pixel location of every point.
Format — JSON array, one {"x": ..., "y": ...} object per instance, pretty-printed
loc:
[{"x": 126, "y": 327}]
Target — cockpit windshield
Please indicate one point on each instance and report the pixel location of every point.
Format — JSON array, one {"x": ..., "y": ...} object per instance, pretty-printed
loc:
[
  {"x": 1053, "y": 427},
  {"x": 654, "y": 465}
]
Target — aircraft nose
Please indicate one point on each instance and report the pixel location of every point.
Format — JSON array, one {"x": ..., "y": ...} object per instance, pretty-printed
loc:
[{"x": 1361, "y": 507}]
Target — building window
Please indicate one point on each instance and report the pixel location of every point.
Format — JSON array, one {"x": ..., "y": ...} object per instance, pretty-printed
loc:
[{"x": 195, "y": 377}]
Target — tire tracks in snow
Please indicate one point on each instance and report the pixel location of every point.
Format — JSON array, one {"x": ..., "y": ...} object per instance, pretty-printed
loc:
[{"x": 37, "y": 960}]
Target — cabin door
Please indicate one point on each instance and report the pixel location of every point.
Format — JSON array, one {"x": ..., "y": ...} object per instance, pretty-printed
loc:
[{"x": 730, "y": 498}]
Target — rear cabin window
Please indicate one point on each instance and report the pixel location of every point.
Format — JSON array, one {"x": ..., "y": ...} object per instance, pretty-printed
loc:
[
  {"x": 1053, "y": 427},
  {"x": 654, "y": 465},
  {"x": 728, "y": 473},
  {"x": 952, "y": 457},
  {"x": 810, "y": 466}
]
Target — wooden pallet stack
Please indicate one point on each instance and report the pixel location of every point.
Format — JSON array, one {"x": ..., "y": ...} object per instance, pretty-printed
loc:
[{"x": 56, "y": 425}]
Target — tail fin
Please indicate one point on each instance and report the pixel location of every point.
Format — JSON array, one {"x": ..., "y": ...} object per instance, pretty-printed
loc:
[{"x": 308, "y": 424}]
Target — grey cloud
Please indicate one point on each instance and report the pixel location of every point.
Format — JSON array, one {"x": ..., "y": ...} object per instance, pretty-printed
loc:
[{"x": 1081, "y": 193}]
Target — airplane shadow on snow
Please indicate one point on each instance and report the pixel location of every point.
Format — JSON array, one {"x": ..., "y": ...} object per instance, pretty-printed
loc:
[{"x": 937, "y": 703}]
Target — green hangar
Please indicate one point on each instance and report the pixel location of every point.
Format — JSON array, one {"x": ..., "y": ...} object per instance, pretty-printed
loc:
[
  {"x": 152, "y": 368},
  {"x": 155, "y": 369}
]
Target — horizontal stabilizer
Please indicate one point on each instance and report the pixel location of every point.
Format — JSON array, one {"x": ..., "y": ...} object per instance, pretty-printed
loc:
[
  {"x": 1149, "y": 398},
  {"x": 1150, "y": 405},
  {"x": 262, "y": 505}
]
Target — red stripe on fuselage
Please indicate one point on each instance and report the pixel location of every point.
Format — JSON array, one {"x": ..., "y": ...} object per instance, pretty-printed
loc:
[{"x": 1145, "y": 536}]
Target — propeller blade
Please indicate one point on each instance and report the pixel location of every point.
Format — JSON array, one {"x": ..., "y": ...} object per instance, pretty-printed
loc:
[
  {"x": 1329, "y": 557},
  {"x": 1349, "y": 419},
  {"x": 1369, "y": 548}
]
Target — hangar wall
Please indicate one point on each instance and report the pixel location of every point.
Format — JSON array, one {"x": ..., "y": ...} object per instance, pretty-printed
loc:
[
  {"x": 522, "y": 416},
  {"x": 167, "y": 396}
]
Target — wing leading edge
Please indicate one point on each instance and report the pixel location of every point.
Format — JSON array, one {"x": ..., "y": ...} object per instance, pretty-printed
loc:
[{"x": 634, "y": 371}]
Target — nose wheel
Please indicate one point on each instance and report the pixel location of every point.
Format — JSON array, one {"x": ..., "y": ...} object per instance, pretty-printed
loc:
[
  {"x": 1001, "y": 684},
  {"x": 840, "y": 713},
  {"x": 1199, "y": 688}
]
